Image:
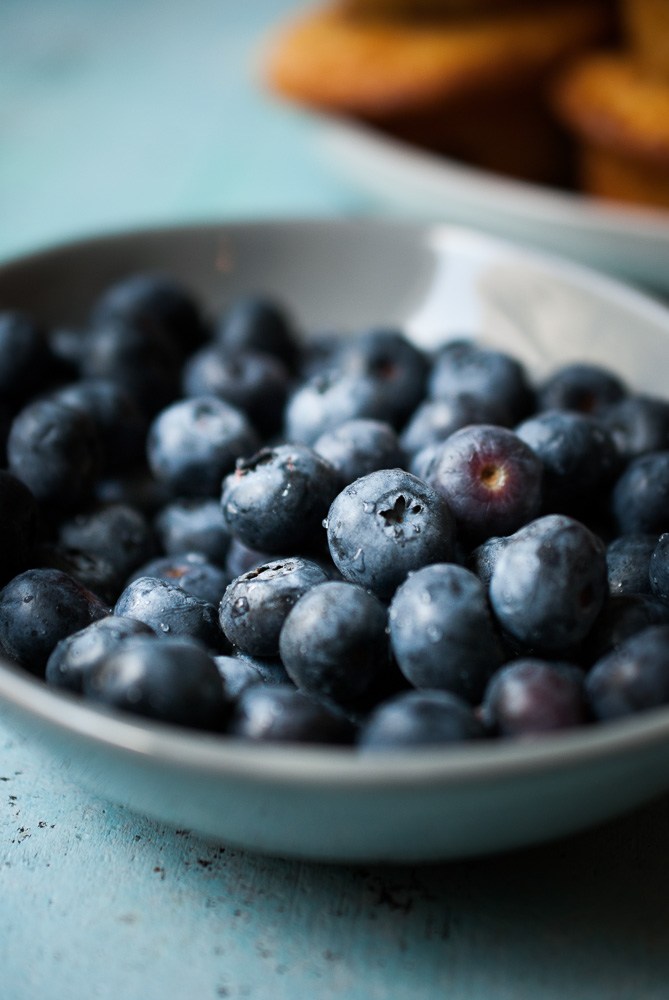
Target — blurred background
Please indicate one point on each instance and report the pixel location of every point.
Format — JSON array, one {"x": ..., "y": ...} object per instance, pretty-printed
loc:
[
  {"x": 125, "y": 113},
  {"x": 141, "y": 112}
]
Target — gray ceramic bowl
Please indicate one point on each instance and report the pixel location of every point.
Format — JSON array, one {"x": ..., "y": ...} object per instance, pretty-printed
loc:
[{"x": 327, "y": 803}]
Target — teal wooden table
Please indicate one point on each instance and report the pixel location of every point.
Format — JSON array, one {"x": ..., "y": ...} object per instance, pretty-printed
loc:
[{"x": 143, "y": 111}]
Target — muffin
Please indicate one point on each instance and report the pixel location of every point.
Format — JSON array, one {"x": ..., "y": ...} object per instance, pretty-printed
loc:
[
  {"x": 647, "y": 25},
  {"x": 329, "y": 60},
  {"x": 466, "y": 87},
  {"x": 433, "y": 9},
  {"x": 621, "y": 117}
]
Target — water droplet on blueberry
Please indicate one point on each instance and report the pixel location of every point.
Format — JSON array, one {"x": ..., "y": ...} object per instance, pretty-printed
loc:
[
  {"x": 240, "y": 607},
  {"x": 359, "y": 559}
]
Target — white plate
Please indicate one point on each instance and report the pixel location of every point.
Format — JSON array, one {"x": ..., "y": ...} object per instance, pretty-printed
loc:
[
  {"x": 627, "y": 241},
  {"x": 330, "y": 803}
]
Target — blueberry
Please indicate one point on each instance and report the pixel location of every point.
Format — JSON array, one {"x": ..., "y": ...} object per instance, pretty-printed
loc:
[
  {"x": 549, "y": 583},
  {"x": 420, "y": 463},
  {"x": 436, "y": 419},
  {"x": 410, "y": 465},
  {"x": 622, "y": 617},
  {"x": 585, "y": 388},
  {"x": 490, "y": 478},
  {"x": 638, "y": 424},
  {"x": 6, "y": 417},
  {"x": 270, "y": 669},
  {"x": 327, "y": 400},
  {"x": 357, "y": 447},
  {"x": 276, "y": 500},
  {"x": 255, "y": 605},
  {"x": 483, "y": 559},
  {"x": 386, "y": 524},
  {"x": 379, "y": 376},
  {"x": 171, "y": 611},
  {"x": 118, "y": 533},
  {"x": 257, "y": 384},
  {"x": 283, "y": 714},
  {"x": 137, "y": 488},
  {"x": 40, "y": 607},
  {"x": 25, "y": 358},
  {"x": 55, "y": 451},
  {"x": 155, "y": 303},
  {"x": 193, "y": 525},
  {"x": 66, "y": 346},
  {"x": 633, "y": 677},
  {"x": 442, "y": 632},
  {"x": 258, "y": 324},
  {"x": 494, "y": 378},
  {"x": 237, "y": 675},
  {"x": 334, "y": 646},
  {"x": 241, "y": 558},
  {"x": 120, "y": 424},
  {"x": 319, "y": 353},
  {"x": 640, "y": 498},
  {"x": 78, "y": 654},
  {"x": 531, "y": 696},
  {"x": 396, "y": 367},
  {"x": 658, "y": 568},
  {"x": 174, "y": 680},
  {"x": 418, "y": 719},
  {"x": 144, "y": 362},
  {"x": 579, "y": 458},
  {"x": 628, "y": 562},
  {"x": 19, "y": 520},
  {"x": 195, "y": 442},
  {"x": 191, "y": 572},
  {"x": 89, "y": 569}
]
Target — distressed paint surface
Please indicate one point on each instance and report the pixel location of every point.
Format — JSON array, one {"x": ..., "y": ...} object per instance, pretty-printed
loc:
[{"x": 98, "y": 902}]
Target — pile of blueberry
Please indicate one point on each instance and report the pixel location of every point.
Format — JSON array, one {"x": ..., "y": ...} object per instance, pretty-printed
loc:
[{"x": 346, "y": 540}]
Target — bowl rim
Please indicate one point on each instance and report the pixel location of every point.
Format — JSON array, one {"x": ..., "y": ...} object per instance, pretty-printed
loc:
[
  {"x": 221, "y": 756},
  {"x": 435, "y": 234},
  {"x": 541, "y": 204}
]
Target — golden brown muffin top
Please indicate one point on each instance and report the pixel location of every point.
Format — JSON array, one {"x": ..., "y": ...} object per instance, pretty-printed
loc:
[
  {"x": 608, "y": 100},
  {"x": 647, "y": 27},
  {"x": 414, "y": 9},
  {"x": 374, "y": 68}
]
